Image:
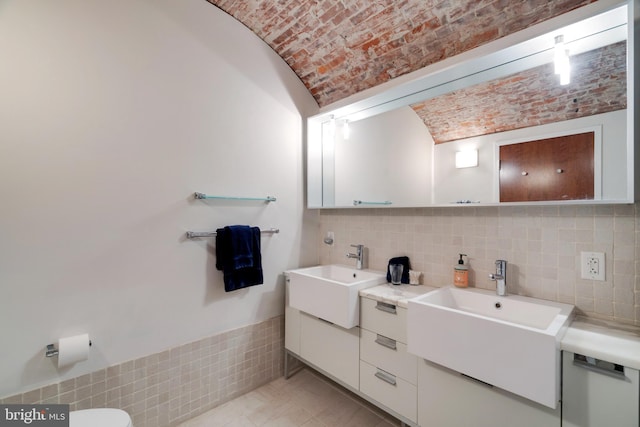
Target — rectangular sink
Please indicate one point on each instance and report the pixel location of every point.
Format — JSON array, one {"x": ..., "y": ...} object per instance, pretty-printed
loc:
[
  {"x": 526, "y": 312},
  {"x": 330, "y": 292},
  {"x": 511, "y": 342}
]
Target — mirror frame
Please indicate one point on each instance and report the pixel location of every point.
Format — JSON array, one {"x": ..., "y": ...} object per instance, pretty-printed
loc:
[{"x": 522, "y": 50}]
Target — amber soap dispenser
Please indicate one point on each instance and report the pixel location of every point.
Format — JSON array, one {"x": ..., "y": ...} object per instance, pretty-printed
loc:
[{"x": 461, "y": 273}]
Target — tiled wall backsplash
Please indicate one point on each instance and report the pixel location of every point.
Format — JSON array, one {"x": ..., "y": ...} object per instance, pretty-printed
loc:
[
  {"x": 542, "y": 245},
  {"x": 166, "y": 388}
]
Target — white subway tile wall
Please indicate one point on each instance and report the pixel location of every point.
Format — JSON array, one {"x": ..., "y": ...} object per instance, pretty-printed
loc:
[
  {"x": 167, "y": 388},
  {"x": 542, "y": 245}
]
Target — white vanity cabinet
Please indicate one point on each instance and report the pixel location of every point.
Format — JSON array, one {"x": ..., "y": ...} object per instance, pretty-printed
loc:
[
  {"x": 600, "y": 375},
  {"x": 449, "y": 399},
  {"x": 597, "y": 393},
  {"x": 370, "y": 360},
  {"x": 388, "y": 374}
]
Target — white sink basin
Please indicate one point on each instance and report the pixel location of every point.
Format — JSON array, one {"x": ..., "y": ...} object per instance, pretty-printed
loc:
[
  {"x": 511, "y": 342},
  {"x": 330, "y": 292}
]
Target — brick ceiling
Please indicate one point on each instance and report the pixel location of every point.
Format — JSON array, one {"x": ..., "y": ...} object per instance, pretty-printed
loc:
[
  {"x": 341, "y": 47},
  {"x": 531, "y": 98}
]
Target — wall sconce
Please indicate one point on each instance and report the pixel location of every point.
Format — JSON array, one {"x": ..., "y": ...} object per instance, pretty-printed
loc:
[
  {"x": 330, "y": 127},
  {"x": 561, "y": 62},
  {"x": 466, "y": 159}
]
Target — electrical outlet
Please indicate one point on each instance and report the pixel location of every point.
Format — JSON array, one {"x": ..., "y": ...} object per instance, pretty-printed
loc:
[{"x": 592, "y": 265}]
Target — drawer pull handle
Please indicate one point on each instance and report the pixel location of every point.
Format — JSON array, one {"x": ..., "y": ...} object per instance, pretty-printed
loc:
[
  {"x": 386, "y": 377},
  {"x": 387, "y": 308},
  {"x": 477, "y": 380},
  {"x": 600, "y": 366},
  {"x": 386, "y": 342}
]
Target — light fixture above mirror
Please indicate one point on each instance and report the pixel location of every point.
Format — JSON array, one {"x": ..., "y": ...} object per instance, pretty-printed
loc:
[
  {"x": 561, "y": 61},
  {"x": 466, "y": 159}
]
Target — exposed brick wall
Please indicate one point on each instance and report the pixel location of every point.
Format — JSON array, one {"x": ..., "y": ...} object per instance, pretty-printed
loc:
[
  {"x": 341, "y": 47},
  {"x": 534, "y": 97}
]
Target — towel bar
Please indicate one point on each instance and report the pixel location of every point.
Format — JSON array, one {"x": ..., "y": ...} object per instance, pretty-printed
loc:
[
  {"x": 194, "y": 234},
  {"x": 262, "y": 199},
  {"x": 360, "y": 202}
]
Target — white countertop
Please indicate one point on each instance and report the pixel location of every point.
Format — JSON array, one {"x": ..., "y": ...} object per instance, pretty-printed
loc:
[
  {"x": 395, "y": 294},
  {"x": 614, "y": 343}
]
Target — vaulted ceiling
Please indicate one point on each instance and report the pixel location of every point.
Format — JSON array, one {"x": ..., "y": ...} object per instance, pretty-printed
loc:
[
  {"x": 531, "y": 98},
  {"x": 341, "y": 47}
]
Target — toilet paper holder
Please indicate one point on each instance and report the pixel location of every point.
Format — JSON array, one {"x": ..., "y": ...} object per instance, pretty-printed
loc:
[{"x": 53, "y": 351}]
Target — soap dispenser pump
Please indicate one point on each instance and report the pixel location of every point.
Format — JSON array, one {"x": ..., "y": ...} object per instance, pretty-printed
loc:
[{"x": 461, "y": 273}]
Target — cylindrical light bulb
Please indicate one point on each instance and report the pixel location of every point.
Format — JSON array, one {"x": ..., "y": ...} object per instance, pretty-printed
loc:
[{"x": 558, "y": 54}]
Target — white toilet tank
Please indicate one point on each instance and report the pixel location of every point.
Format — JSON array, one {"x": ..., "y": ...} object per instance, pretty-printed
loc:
[{"x": 99, "y": 417}]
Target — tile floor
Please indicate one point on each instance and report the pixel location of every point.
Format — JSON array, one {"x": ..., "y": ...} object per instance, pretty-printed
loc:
[{"x": 306, "y": 399}]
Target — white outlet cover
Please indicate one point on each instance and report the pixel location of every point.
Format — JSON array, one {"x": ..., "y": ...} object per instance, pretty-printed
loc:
[{"x": 592, "y": 265}]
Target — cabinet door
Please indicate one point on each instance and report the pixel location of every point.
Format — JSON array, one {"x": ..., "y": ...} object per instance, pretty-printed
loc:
[
  {"x": 449, "y": 399},
  {"x": 560, "y": 168},
  {"x": 596, "y": 393},
  {"x": 331, "y": 348}
]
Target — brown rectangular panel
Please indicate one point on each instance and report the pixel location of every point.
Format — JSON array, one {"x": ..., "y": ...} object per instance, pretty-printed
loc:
[{"x": 560, "y": 168}]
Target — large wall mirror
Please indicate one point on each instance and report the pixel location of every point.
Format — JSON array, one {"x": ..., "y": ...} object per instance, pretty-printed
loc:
[{"x": 435, "y": 137}]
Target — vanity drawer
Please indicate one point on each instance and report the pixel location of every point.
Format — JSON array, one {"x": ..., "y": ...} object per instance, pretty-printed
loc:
[
  {"x": 391, "y": 391},
  {"x": 389, "y": 355},
  {"x": 385, "y": 319}
]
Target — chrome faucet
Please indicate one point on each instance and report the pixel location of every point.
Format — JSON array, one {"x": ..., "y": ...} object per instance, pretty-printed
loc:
[
  {"x": 359, "y": 255},
  {"x": 500, "y": 277}
]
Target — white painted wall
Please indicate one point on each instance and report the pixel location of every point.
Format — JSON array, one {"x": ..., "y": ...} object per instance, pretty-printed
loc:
[
  {"x": 112, "y": 113},
  {"x": 386, "y": 158},
  {"x": 481, "y": 183}
]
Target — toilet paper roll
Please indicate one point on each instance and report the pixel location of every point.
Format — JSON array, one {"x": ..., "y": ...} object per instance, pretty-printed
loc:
[{"x": 73, "y": 349}]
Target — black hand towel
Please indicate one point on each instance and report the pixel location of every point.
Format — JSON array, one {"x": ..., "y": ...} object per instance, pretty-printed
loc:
[
  {"x": 404, "y": 260},
  {"x": 238, "y": 256}
]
